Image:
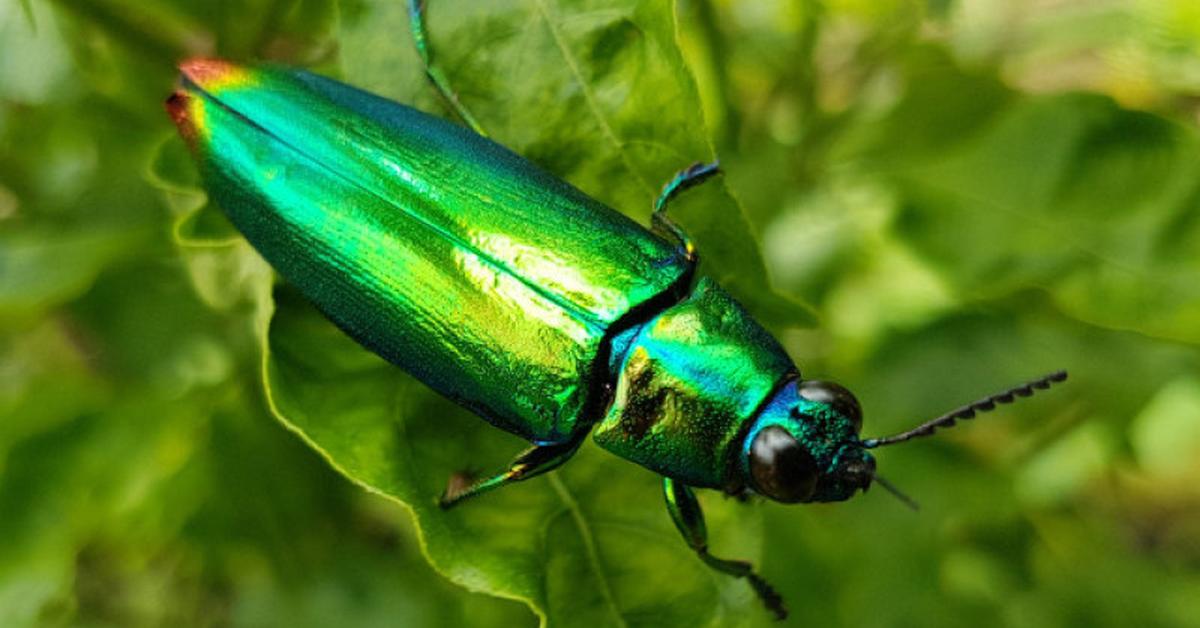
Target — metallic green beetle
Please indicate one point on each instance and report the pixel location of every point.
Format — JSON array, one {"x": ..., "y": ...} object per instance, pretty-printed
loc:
[{"x": 507, "y": 290}]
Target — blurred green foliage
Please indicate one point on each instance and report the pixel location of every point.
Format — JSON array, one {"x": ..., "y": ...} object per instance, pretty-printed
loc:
[{"x": 965, "y": 193}]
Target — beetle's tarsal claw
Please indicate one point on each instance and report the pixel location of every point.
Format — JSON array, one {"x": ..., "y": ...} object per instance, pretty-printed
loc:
[
  {"x": 769, "y": 596},
  {"x": 458, "y": 484}
]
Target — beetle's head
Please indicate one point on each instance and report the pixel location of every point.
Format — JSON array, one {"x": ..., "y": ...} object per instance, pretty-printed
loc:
[{"x": 804, "y": 445}]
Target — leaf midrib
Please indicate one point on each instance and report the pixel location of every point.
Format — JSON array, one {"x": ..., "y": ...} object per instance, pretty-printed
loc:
[
  {"x": 589, "y": 544},
  {"x": 590, "y": 97}
]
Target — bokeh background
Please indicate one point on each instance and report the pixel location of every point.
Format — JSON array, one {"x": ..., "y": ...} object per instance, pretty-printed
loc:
[{"x": 949, "y": 196}]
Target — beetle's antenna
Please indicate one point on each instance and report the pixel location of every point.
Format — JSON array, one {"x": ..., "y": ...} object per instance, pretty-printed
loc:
[
  {"x": 891, "y": 488},
  {"x": 968, "y": 411}
]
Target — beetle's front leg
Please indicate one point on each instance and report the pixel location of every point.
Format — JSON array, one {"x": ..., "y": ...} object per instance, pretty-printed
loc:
[
  {"x": 685, "y": 512},
  {"x": 530, "y": 463},
  {"x": 663, "y": 225}
]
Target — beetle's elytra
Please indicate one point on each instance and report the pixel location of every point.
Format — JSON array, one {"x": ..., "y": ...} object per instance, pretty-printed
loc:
[{"x": 518, "y": 296}]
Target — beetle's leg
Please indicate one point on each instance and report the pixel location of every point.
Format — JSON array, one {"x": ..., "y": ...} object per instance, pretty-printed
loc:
[
  {"x": 530, "y": 463},
  {"x": 685, "y": 512},
  {"x": 416, "y": 22},
  {"x": 663, "y": 225}
]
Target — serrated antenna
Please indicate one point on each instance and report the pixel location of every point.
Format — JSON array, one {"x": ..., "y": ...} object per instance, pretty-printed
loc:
[{"x": 970, "y": 410}]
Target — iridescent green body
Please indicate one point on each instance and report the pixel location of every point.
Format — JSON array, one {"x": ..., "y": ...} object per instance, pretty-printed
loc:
[
  {"x": 507, "y": 290},
  {"x": 447, "y": 254},
  {"x": 688, "y": 382},
  {"x": 493, "y": 282}
]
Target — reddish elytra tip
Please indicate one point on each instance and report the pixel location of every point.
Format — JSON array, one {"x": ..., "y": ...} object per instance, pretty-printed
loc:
[
  {"x": 177, "y": 108},
  {"x": 203, "y": 70}
]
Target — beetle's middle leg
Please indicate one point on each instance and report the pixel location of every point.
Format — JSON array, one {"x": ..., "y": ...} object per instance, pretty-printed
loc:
[
  {"x": 416, "y": 22},
  {"x": 663, "y": 225},
  {"x": 530, "y": 463},
  {"x": 689, "y": 519}
]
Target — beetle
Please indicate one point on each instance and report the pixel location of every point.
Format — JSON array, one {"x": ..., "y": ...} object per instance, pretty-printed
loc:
[{"x": 507, "y": 290}]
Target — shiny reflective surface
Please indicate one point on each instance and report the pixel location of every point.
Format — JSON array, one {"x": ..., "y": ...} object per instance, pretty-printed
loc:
[
  {"x": 689, "y": 381},
  {"x": 499, "y": 285},
  {"x": 825, "y": 431},
  {"x": 490, "y": 280},
  {"x": 836, "y": 396},
  {"x": 781, "y": 468}
]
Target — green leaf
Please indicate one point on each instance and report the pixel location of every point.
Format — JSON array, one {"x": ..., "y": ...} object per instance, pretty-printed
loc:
[
  {"x": 870, "y": 558},
  {"x": 27, "y": 8},
  {"x": 584, "y": 546},
  {"x": 40, "y": 269},
  {"x": 1164, "y": 438},
  {"x": 143, "y": 481},
  {"x": 1071, "y": 194},
  {"x": 197, "y": 222}
]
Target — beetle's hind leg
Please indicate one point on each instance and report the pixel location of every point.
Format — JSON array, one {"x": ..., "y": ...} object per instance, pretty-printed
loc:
[
  {"x": 689, "y": 519},
  {"x": 530, "y": 463},
  {"x": 416, "y": 22},
  {"x": 663, "y": 225}
]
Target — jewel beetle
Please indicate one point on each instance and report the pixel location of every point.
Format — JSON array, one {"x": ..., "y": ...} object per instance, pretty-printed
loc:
[{"x": 521, "y": 298}]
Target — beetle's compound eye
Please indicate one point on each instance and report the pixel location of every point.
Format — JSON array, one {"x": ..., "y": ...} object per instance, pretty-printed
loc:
[
  {"x": 781, "y": 467},
  {"x": 837, "y": 397}
]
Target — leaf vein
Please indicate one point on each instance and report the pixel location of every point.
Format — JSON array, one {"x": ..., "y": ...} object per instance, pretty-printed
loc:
[
  {"x": 589, "y": 96},
  {"x": 589, "y": 544}
]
